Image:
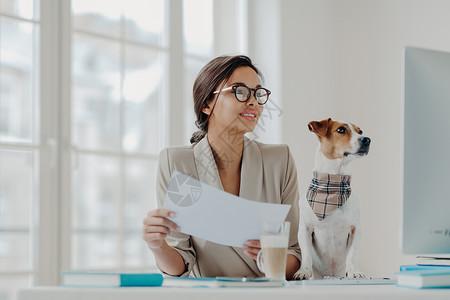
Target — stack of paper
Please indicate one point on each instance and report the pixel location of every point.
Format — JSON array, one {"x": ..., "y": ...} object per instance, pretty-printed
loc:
[
  {"x": 433, "y": 260},
  {"x": 220, "y": 282},
  {"x": 202, "y": 210}
]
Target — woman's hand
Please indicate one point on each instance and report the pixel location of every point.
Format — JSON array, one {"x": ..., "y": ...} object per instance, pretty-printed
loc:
[
  {"x": 156, "y": 227},
  {"x": 252, "y": 248}
]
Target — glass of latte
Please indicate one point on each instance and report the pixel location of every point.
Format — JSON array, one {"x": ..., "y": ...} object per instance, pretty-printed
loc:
[{"x": 272, "y": 258}]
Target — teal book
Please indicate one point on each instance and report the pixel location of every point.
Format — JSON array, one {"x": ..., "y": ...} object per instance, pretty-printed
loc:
[
  {"x": 110, "y": 279},
  {"x": 422, "y": 267},
  {"x": 220, "y": 282},
  {"x": 436, "y": 278}
]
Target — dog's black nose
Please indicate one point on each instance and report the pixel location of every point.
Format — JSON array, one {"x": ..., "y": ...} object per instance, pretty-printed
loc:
[{"x": 365, "y": 141}]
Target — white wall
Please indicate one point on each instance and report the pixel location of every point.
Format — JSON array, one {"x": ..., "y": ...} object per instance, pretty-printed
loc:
[
  {"x": 342, "y": 59},
  {"x": 264, "y": 46}
]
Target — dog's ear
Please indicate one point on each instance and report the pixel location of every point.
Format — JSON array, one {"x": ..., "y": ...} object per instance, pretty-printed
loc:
[{"x": 320, "y": 128}]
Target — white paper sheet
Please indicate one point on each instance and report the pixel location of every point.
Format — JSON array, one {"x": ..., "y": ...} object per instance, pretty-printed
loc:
[{"x": 211, "y": 214}]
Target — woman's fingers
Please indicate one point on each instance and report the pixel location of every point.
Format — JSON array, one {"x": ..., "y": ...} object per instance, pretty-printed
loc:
[
  {"x": 252, "y": 248},
  {"x": 155, "y": 229},
  {"x": 161, "y": 212},
  {"x": 159, "y": 217},
  {"x": 157, "y": 226},
  {"x": 159, "y": 221},
  {"x": 250, "y": 254},
  {"x": 154, "y": 236}
]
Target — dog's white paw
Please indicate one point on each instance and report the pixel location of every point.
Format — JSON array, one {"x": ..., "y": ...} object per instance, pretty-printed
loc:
[
  {"x": 355, "y": 274},
  {"x": 304, "y": 273}
]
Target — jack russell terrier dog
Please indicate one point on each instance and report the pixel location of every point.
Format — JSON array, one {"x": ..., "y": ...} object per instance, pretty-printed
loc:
[{"x": 330, "y": 230}]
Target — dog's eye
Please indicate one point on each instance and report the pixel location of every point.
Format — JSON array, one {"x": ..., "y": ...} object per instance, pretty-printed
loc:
[
  {"x": 360, "y": 132},
  {"x": 341, "y": 130}
]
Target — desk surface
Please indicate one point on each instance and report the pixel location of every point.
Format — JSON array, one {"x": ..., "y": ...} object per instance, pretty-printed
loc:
[{"x": 285, "y": 293}]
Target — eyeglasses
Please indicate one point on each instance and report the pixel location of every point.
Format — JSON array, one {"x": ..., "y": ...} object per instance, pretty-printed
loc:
[{"x": 243, "y": 93}]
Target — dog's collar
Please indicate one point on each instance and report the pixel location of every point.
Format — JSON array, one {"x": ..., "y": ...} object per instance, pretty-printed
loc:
[{"x": 328, "y": 192}]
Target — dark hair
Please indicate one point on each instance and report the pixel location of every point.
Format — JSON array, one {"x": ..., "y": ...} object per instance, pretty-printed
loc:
[{"x": 209, "y": 78}]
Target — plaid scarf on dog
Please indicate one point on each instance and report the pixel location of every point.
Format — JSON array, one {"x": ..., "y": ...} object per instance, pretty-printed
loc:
[{"x": 328, "y": 192}]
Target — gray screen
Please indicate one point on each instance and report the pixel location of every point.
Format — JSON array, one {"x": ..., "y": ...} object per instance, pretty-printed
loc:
[{"x": 426, "y": 203}]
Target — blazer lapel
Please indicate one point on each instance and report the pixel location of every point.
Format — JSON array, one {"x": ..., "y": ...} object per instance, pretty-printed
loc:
[
  {"x": 251, "y": 171},
  {"x": 250, "y": 188},
  {"x": 251, "y": 178},
  {"x": 206, "y": 165},
  {"x": 250, "y": 262}
]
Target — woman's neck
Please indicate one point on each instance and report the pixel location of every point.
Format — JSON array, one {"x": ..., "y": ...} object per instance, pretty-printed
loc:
[{"x": 227, "y": 149}]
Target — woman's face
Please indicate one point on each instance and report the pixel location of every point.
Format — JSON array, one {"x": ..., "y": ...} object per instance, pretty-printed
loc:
[{"x": 230, "y": 115}]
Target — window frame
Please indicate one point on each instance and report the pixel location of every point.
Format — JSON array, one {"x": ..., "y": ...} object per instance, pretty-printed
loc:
[
  {"x": 55, "y": 94},
  {"x": 37, "y": 148}
]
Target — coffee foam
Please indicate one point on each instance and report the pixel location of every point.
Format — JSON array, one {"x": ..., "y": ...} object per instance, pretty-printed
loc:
[{"x": 274, "y": 241}]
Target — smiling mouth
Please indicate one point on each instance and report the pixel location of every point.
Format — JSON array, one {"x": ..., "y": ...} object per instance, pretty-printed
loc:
[{"x": 248, "y": 115}]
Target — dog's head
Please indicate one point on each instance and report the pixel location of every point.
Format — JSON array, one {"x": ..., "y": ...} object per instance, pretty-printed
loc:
[{"x": 340, "y": 139}]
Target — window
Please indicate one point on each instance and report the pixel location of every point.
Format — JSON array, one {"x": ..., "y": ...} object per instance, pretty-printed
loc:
[
  {"x": 20, "y": 144},
  {"x": 198, "y": 46},
  {"x": 119, "y": 64},
  {"x": 86, "y": 87}
]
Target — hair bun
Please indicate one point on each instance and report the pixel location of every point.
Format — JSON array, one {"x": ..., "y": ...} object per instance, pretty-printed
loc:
[{"x": 197, "y": 136}]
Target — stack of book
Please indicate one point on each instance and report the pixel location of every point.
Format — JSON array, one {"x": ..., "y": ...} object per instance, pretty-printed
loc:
[
  {"x": 128, "y": 279},
  {"x": 429, "y": 272},
  {"x": 110, "y": 279}
]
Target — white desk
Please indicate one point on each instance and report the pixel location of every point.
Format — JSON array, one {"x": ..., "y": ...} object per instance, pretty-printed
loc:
[{"x": 373, "y": 292}]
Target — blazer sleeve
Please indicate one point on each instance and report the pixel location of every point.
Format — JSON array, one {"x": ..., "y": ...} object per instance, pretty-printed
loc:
[
  {"x": 179, "y": 241},
  {"x": 290, "y": 195}
]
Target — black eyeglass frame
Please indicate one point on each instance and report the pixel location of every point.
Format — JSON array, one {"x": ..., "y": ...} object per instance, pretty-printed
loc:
[{"x": 234, "y": 87}]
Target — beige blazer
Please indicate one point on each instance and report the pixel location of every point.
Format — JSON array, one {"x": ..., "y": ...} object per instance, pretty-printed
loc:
[{"x": 268, "y": 174}]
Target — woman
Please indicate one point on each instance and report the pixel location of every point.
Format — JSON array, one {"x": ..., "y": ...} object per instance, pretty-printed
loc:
[{"x": 228, "y": 101}]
